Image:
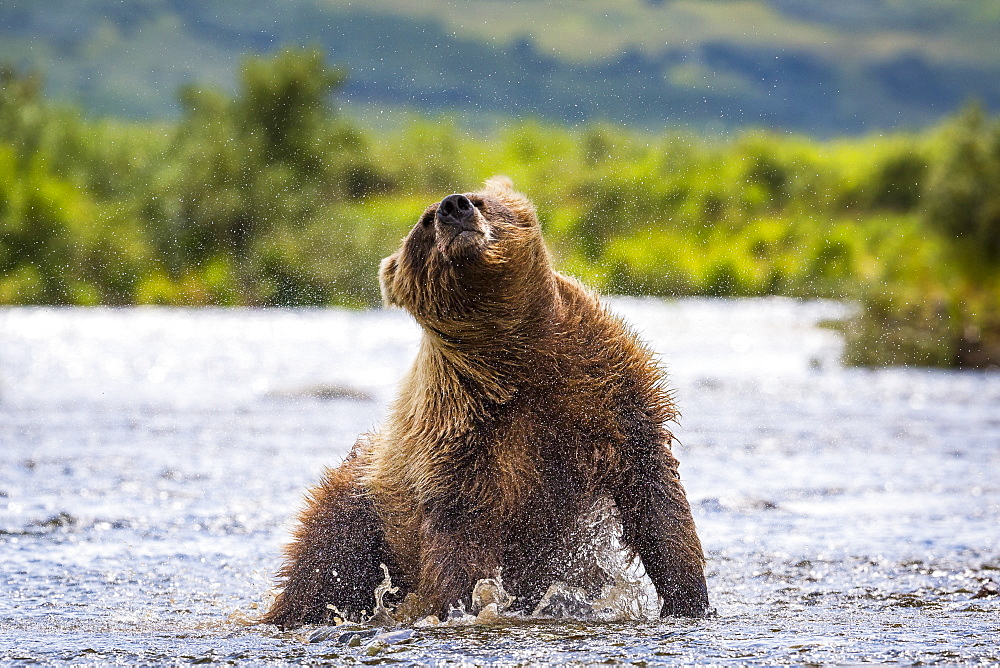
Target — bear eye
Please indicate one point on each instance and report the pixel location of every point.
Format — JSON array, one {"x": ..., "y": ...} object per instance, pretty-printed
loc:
[{"x": 477, "y": 202}]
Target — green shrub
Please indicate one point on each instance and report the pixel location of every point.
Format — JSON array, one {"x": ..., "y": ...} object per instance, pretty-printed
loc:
[
  {"x": 269, "y": 197},
  {"x": 962, "y": 196}
]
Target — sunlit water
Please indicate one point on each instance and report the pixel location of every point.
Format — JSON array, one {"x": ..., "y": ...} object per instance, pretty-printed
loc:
[{"x": 152, "y": 460}]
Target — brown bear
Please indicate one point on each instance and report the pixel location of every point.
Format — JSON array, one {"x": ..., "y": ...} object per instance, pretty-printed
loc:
[{"x": 528, "y": 406}]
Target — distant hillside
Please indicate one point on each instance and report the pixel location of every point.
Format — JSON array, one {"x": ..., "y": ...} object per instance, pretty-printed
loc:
[{"x": 824, "y": 68}]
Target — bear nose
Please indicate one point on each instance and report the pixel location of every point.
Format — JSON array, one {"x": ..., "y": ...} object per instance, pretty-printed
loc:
[{"x": 456, "y": 210}]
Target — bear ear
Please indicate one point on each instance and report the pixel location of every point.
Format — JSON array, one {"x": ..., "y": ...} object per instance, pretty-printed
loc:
[
  {"x": 498, "y": 186},
  {"x": 386, "y": 276}
]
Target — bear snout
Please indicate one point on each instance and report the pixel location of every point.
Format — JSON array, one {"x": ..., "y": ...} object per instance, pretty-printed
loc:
[{"x": 457, "y": 211}]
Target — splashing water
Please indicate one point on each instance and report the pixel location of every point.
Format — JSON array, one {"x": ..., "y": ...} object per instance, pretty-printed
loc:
[
  {"x": 625, "y": 599},
  {"x": 629, "y": 595}
]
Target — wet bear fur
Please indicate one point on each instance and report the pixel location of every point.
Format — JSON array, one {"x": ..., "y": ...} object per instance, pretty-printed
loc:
[{"x": 527, "y": 407}]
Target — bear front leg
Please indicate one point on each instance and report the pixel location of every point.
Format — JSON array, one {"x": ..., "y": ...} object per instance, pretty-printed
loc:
[
  {"x": 454, "y": 556},
  {"x": 335, "y": 557},
  {"x": 658, "y": 527}
]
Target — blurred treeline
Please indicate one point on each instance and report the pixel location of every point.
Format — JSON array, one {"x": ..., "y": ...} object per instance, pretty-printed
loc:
[
  {"x": 822, "y": 68},
  {"x": 269, "y": 197}
]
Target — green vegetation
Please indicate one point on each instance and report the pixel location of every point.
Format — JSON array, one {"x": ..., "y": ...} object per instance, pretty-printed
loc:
[
  {"x": 269, "y": 197},
  {"x": 824, "y": 68}
]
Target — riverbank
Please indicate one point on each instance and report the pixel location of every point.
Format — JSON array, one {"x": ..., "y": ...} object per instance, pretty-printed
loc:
[{"x": 269, "y": 197}]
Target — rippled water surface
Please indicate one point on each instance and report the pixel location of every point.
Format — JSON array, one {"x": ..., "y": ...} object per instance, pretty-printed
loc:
[{"x": 152, "y": 460}]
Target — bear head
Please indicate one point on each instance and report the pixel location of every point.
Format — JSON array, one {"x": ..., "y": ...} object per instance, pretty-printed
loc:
[{"x": 474, "y": 263}]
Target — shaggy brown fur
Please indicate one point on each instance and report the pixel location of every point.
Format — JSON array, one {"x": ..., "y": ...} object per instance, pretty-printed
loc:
[{"x": 528, "y": 406}]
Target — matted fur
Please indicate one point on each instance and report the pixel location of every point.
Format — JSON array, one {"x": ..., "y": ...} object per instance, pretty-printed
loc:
[{"x": 527, "y": 405}]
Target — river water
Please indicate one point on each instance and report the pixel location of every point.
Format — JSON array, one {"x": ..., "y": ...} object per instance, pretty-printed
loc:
[{"x": 152, "y": 460}]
